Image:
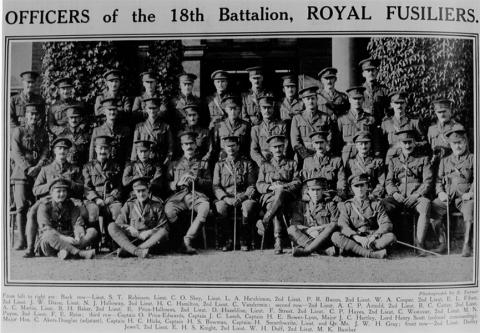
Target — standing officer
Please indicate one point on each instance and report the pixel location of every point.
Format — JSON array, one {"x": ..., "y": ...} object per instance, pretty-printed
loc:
[
  {"x": 141, "y": 219},
  {"x": 365, "y": 163},
  {"x": 454, "y": 187},
  {"x": 214, "y": 102},
  {"x": 365, "y": 227},
  {"x": 103, "y": 185},
  {"x": 408, "y": 183},
  {"x": 278, "y": 182},
  {"x": 251, "y": 110},
  {"x": 121, "y": 136},
  {"x": 290, "y": 105},
  {"x": 330, "y": 100},
  {"x": 311, "y": 120},
  {"x": 178, "y": 118},
  {"x": 259, "y": 148},
  {"x": 354, "y": 121},
  {"x": 62, "y": 228},
  {"x": 204, "y": 137},
  {"x": 399, "y": 121},
  {"x": 78, "y": 133},
  {"x": 185, "y": 175},
  {"x": 376, "y": 94},
  {"x": 29, "y": 151},
  {"x": 57, "y": 114},
  {"x": 314, "y": 220},
  {"x": 149, "y": 82},
  {"x": 155, "y": 129},
  {"x": 113, "y": 81},
  {"x": 233, "y": 125},
  {"x": 26, "y": 96},
  {"x": 234, "y": 186}
]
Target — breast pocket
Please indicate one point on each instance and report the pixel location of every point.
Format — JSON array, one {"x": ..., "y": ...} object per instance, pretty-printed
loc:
[{"x": 303, "y": 131}]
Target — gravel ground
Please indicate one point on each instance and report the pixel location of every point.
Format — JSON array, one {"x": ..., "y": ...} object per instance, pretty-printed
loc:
[{"x": 251, "y": 267}]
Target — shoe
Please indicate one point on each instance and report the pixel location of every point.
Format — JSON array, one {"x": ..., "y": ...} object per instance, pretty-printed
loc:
[
  {"x": 381, "y": 254},
  {"x": 260, "y": 227},
  {"x": 466, "y": 250},
  {"x": 20, "y": 246},
  {"x": 300, "y": 252},
  {"x": 121, "y": 253},
  {"x": 244, "y": 248},
  {"x": 87, "y": 254},
  {"x": 187, "y": 246},
  {"x": 277, "y": 248},
  {"x": 331, "y": 251},
  {"x": 29, "y": 254},
  {"x": 62, "y": 254},
  {"x": 141, "y": 253},
  {"x": 228, "y": 246}
]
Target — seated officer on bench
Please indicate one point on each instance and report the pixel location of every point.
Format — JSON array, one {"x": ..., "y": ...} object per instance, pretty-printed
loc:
[
  {"x": 314, "y": 221},
  {"x": 62, "y": 229},
  {"x": 366, "y": 230},
  {"x": 142, "y": 218}
]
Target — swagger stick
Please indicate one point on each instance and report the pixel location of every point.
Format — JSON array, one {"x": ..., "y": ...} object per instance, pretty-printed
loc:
[
  {"x": 234, "y": 206},
  {"x": 286, "y": 226},
  {"x": 193, "y": 201},
  {"x": 447, "y": 187},
  {"x": 417, "y": 248}
]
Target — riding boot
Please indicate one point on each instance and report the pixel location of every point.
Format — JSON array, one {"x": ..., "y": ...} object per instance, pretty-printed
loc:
[
  {"x": 467, "y": 241},
  {"x": 345, "y": 244},
  {"x": 442, "y": 240},
  {"x": 21, "y": 221},
  {"x": 278, "y": 249}
]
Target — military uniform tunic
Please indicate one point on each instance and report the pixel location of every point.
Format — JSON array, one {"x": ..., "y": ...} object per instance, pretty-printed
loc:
[
  {"x": 160, "y": 133},
  {"x": 17, "y": 107},
  {"x": 437, "y": 139},
  {"x": 288, "y": 109},
  {"x": 143, "y": 169},
  {"x": 178, "y": 118},
  {"x": 80, "y": 137},
  {"x": 328, "y": 167},
  {"x": 120, "y": 145},
  {"x": 148, "y": 216},
  {"x": 216, "y": 111},
  {"x": 250, "y": 108},
  {"x": 259, "y": 148},
  {"x": 55, "y": 170},
  {"x": 204, "y": 141},
  {"x": 57, "y": 116},
  {"x": 99, "y": 178},
  {"x": 306, "y": 123},
  {"x": 391, "y": 125},
  {"x": 123, "y": 103},
  {"x": 372, "y": 166},
  {"x": 333, "y": 103},
  {"x": 239, "y": 128},
  {"x": 376, "y": 100},
  {"x": 308, "y": 214},
  {"x": 224, "y": 180}
]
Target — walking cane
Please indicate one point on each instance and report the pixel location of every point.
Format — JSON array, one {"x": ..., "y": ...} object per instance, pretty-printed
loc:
[
  {"x": 417, "y": 248},
  {"x": 447, "y": 187},
  {"x": 234, "y": 207},
  {"x": 286, "y": 226},
  {"x": 193, "y": 202},
  {"x": 101, "y": 219}
]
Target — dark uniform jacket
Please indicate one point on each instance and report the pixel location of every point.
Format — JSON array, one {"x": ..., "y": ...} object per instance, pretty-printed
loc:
[
  {"x": 142, "y": 169},
  {"x": 160, "y": 133},
  {"x": 54, "y": 170},
  {"x": 311, "y": 214},
  {"x": 57, "y": 116},
  {"x": 224, "y": 180},
  {"x": 239, "y": 128},
  {"x": 198, "y": 169},
  {"x": 328, "y": 167},
  {"x": 363, "y": 218},
  {"x": 80, "y": 138},
  {"x": 123, "y": 103},
  {"x": 178, "y": 117},
  {"x": 64, "y": 217},
  {"x": 148, "y": 216},
  {"x": 99, "y": 178},
  {"x": 204, "y": 141},
  {"x": 288, "y": 109},
  {"x": 459, "y": 171},
  {"x": 349, "y": 125},
  {"x": 120, "y": 145},
  {"x": 372, "y": 166},
  {"x": 437, "y": 139},
  {"x": 216, "y": 111},
  {"x": 259, "y": 148},
  {"x": 139, "y": 104},
  {"x": 333, "y": 104},
  {"x": 17, "y": 107},
  {"x": 376, "y": 100},
  {"x": 303, "y": 125},
  {"x": 250, "y": 108}
]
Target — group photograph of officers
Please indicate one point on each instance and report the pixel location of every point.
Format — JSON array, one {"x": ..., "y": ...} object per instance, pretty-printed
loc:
[{"x": 315, "y": 170}]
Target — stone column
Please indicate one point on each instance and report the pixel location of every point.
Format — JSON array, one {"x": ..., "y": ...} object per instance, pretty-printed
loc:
[
  {"x": 343, "y": 59},
  {"x": 193, "y": 53}
]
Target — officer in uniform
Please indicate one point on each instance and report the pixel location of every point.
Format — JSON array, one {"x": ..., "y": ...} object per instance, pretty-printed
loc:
[
  {"x": 436, "y": 132},
  {"x": 149, "y": 82},
  {"x": 365, "y": 229},
  {"x": 234, "y": 186},
  {"x": 60, "y": 167},
  {"x": 113, "y": 81},
  {"x": 204, "y": 137},
  {"x": 144, "y": 166},
  {"x": 78, "y": 133},
  {"x": 278, "y": 182},
  {"x": 142, "y": 220},
  {"x": 399, "y": 121},
  {"x": 290, "y": 105},
  {"x": 330, "y": 100},
  {"x": 323, "y": 164},
  {"x": 311, "y": 120},
  {"x": 365, "y": 163},
  {"x": 233, "y": 125},
  {"x": 26, "y": 96},
  {"x": 29, "y": 152},
  {"x": 155, "y": 129},
  {"x": 214, "y": 102},
  {"x": 354, "y": 121},
  {"x": 259, "y": 148},
  {"x": 250, "y": 108},
  {"x": 454, "y": 186},
  {"x": 62, "y": 229},
  {"x": 121, "y": 136},
  {"x": 408, "y": 183},
  {"x": 314, "y": 220},
  {"x": 376, "y": 94},
  {"x": 186, "y": 96},
  {"x": 103, "y": 186},
  {"x": 189, "y": 178},
  {"x": 57, "y": 114}
]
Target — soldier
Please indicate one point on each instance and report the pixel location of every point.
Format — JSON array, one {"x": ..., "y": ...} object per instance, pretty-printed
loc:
[
  {"x": 60, "y": 167},
  {"x": 142, "y": 219},
  {"x": 376, "y": 94},
  {"x": 312, "y": 120},
  {"x": 259, "y": 149},
  {"x": 57, "y": 114},
  {"x": 204, "y": 137},
  {"x": 186, "y": 96},
  {"x": 62, "y": 228},
  {"x": 409, "y": 181},
  {"x": 234, "y": 186},
  {"x": 250, "y": 109},
  {"x": 278, "y": 182},
  {"x": 155, "y": 129},
  {"x": 233, "y": 125},
  {"x": 78, "y": 133},
  {"x": 26, "y": 96},
  {"x": 436, "y": 132},
  {"x": 354, "y": 121},
  {"x": 149, "y": 82},
  {"x": 103, "y": 186},
  {"x": 314, "y": 220},
  {"x": 145, "y": 167},
  {"x": 290, "y": 105},
  {"x": 121, "y": 136},
  {"x": 366, "y": 230},
  {"x": 29, "y": 152},
  {"x": 330, "y": 100},
  {"x": 399, "y": 121},
  {"x": 323, "y": 164},
  {"x": 214, "y": 102},
  {"x": 454, "y": 186},
  {"x": 365, "y": 163},
  {"x": 189, "y": 178},
  {"x": 113, "y": 81}
]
